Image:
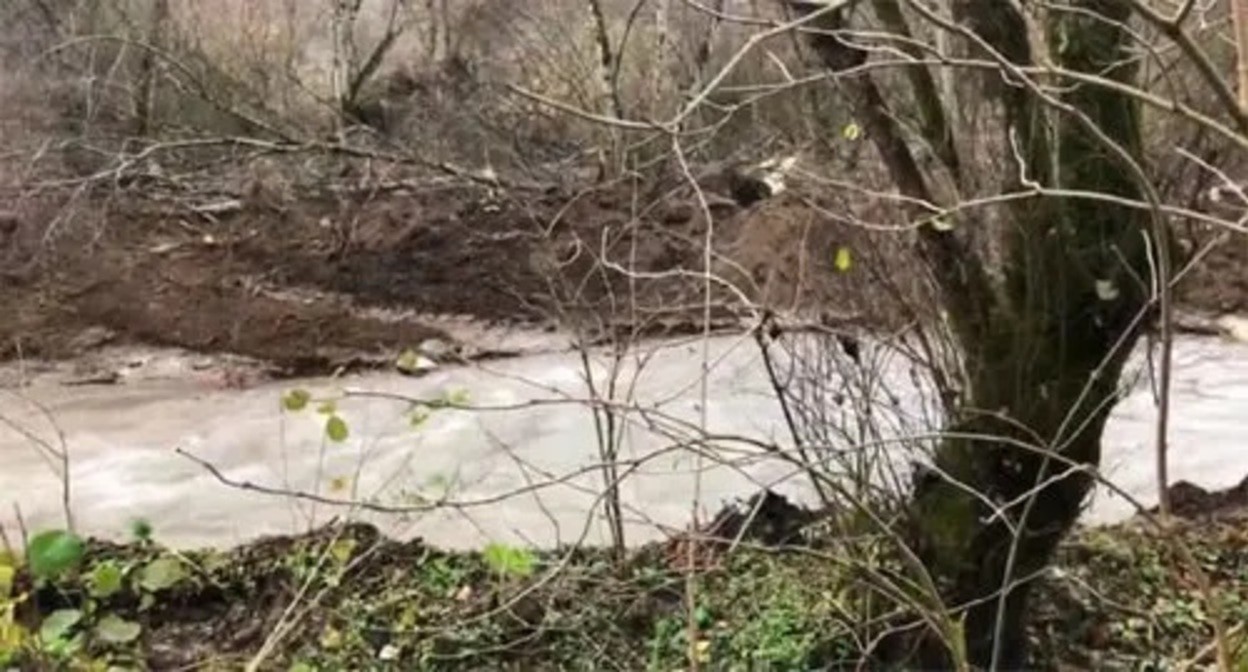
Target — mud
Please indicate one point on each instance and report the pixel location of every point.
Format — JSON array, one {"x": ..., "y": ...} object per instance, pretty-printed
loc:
[{"x": 324, "y": 281}]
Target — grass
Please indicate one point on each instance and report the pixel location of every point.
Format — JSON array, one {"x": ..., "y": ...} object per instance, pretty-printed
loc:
[{"x": 1119, "y": 598}]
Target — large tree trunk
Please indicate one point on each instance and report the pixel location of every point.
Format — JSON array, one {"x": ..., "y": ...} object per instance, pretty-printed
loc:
[{"x": 1044, "y": 346}]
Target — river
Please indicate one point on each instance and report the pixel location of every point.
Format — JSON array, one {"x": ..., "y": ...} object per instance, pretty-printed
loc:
[{"x": 495, "y": 464}]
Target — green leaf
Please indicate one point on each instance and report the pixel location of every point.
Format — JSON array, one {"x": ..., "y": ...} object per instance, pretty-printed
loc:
[
  {"x": 852, "y": 131},
  {"x": 509, "y": 560},
  {"x": 418, "y": 416},
  {"x": 336, "y": 429},
  {"x": 296, "y": 400},
  {"x": 141, "y": 529},
  {"x": 703, "y": 616},
  {"x": 844, "y": 259},
  {"x": 52, "y": 554},
  {"x": 65, "y": 648},
  {"x": 327, "y": 408},
  {"x": 113, "y": 629},
  {"x": 341, "y": 550},
  {"x": 458, "y": 397},
  {"x": 7, "y": 573},
  {"x": 105, "y": 579},
  {"x": 59, "y": 624},
  {"x": 161, "y": 573}
]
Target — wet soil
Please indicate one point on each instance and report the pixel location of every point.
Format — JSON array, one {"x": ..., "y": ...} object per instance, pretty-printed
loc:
[{"x": 298, "y": 282}]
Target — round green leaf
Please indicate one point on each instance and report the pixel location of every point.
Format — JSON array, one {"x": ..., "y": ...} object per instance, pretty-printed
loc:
[
  {"x": 51, "y": 554},
  {"x": 58, "y": 624},
  {"x": 113, "y": 629},
  {"x": 161, "y": 573},
  {"x": 105, "y": 579},
  {"x": 296, "y": 400},
  {"x": 336, "y": 429}
]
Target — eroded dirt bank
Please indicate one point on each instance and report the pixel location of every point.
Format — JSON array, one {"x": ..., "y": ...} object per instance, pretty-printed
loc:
[{"x": 322, "y": 281}]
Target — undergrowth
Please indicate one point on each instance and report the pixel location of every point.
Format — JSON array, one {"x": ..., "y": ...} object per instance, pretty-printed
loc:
[{"x": 1117, "y": 599}]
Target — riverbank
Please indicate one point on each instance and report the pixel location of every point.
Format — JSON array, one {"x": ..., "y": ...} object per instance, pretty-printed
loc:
[{"x": 1119, "y": 597}]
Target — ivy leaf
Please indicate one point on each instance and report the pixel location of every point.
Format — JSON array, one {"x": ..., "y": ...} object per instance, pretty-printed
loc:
[
  {"x": 336, "y": 429},
  {"x": 113, "y": 629},
  {"x": 161, "y": 573},
  {"x": 52, "y": 554},
  {"x": 105, "y": 579},
  {"x": 327, "y": 408},
  {"x": 509, "y": 560},
  {"x": 844, "y": 259},
  {"x": 296, "y": 400},
  {"x": 58, "y": 624}
]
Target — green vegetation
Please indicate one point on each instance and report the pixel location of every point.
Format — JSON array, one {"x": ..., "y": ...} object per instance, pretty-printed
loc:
[{"x": 1118, "y": 598}]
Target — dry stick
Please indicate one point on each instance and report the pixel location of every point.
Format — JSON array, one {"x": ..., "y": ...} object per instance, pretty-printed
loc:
[
  {"x": 789, "y": 421},
  {"x": 1209, "y": 648},
  {"x": 21, "y": 525},
  {"x": 704, "y": 393},
  {"x": 289, "y": 619},
  {"x": 1239, "y": 12},
  {"x": 6, "y": 543},
  {"x": 47, "y": 451},
  {"x": 1152, "y": 100}
]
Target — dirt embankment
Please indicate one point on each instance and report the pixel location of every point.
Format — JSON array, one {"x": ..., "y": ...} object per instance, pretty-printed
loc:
[
  {"x": 318, "y": 282},
  {"x": 325, "y": 281}
]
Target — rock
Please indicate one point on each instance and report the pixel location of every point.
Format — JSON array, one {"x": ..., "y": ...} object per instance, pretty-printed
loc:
[
  {"x": 1234, "y": 327},
  {"x": 91, "y": 338},
  {"x": 436, "y": 348},
  {"x": 414, "y": 364},
  {"x": 767, "y": 518},
  {"x": 1192, "y": 323}
]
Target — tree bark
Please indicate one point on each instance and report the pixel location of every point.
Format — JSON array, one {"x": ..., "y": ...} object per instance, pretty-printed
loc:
[{"x": 1043, "y": 347}]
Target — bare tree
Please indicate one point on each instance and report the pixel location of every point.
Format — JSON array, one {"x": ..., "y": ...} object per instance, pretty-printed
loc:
[{"x": 1044, "y": 333}]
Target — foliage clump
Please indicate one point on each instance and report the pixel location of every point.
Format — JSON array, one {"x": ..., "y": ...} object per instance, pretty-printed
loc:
[{"x": 1119, "y": 598}]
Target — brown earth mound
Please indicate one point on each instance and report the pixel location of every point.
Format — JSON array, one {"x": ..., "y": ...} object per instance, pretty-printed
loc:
[{"x": 290, "y": 281}]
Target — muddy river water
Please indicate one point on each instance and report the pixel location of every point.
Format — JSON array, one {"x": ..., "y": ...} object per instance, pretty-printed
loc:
[{"x": 520, "y": 469}]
